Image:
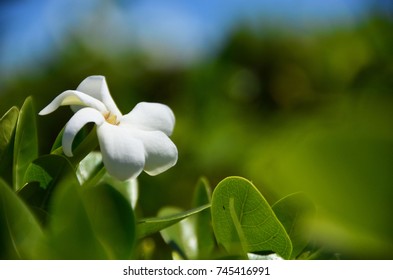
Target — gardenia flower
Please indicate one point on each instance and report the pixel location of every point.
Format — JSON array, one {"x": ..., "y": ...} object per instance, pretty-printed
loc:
[{"x": 129, "y": 143}]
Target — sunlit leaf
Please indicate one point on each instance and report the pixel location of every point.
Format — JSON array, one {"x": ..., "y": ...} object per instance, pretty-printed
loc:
[
  {"x": 7, "y": 129},
  {"x": 242, "y": 219},
  {"x": 20, "y": 234},
  {"x": 26, "y": 142},
  {"x": 149, "y": 226},
  {"x": 294, "y": 212}
]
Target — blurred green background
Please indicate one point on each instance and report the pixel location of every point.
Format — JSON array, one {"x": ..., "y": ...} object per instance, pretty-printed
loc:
[{"x": 294, "y": 97}]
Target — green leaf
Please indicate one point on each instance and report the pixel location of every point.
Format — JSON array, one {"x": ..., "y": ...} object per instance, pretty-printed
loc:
[
  {"x": 42, "y": 176},
  {"x": 57, "y": 145},
  {"x": 48, "y": 170},
  {"x": 295, "y": 212},
  {"x": 90, "y": 223},
  {"x": 7, "y": 130},
  {"x": 69, "y": 230},
  {"x": 20, "y": 234},
  {"x": 202, "y": 194},
  {"x": 112, "y": 220},
  {"x": 242, "y": 219},
  {"x": 26, "y": 142},
  {"x": 202, "y": 222},
  {"x": 149, "y": 226}
]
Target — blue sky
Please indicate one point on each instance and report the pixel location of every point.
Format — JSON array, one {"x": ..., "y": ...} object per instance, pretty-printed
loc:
[{"x": 34, "y": 31}]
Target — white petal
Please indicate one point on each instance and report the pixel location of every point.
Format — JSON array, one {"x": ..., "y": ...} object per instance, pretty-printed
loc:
[
  {"x": 73, "y": 97},
  {"x": 151, "y": 116},
  {"x": 161, "y": 153},
  {"x": 123, "y": 155},
  {"x": 78, "y": 120},
  {"x": 96, "y": 87}
]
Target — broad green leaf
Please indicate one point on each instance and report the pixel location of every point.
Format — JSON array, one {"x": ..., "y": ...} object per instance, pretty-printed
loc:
[
  {"x": 202, "y": 222},
  {"x": 26, "y": 143},
  {"x": 295, "y": 212},
  {"x": 7, "y": 129},
  {"x": 242, "y": 219},
  {"x": 112, "y": 220},
  {"x": 90, "y": 223},
  {"x": 70, "y": 232},
  {"x": 149, "y": 226},
  {"x": 42, "y": 176},
  {"x": 20, "y": 234}
]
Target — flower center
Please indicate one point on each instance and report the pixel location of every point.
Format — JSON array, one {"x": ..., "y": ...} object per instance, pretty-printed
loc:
[{"x": 111, "y": 118}]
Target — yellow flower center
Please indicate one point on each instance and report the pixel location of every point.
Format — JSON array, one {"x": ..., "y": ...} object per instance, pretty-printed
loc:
[{"x": 111, "y": 118}]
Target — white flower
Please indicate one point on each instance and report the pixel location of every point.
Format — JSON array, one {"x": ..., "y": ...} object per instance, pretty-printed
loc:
[{"x": 129, "y": 143}]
